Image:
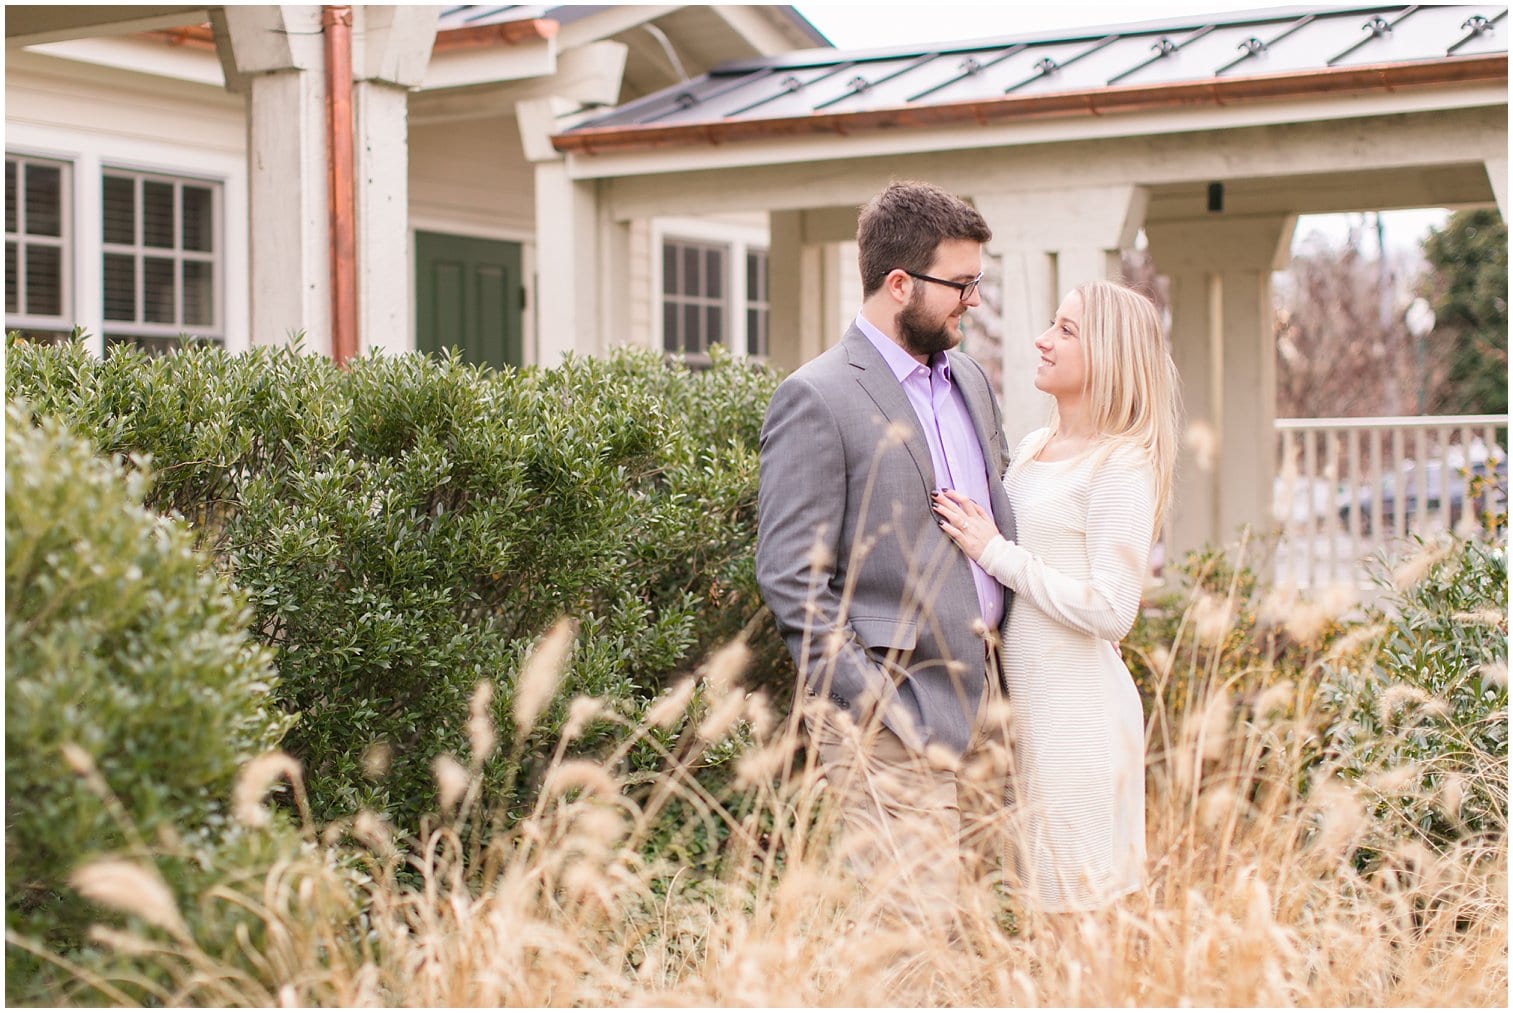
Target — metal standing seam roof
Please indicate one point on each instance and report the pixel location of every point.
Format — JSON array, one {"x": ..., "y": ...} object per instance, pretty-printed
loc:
[{"x": 1278, "y": 51}]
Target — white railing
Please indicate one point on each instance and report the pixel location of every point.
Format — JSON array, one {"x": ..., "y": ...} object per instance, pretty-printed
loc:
[{"x": 1348, "y": 487}]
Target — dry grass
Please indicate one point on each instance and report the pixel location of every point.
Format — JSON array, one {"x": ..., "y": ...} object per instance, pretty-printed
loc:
[{"x": 1254, "y": 896}]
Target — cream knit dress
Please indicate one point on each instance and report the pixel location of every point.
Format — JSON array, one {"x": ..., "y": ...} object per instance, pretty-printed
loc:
[{"x": 1077, "y": 783}]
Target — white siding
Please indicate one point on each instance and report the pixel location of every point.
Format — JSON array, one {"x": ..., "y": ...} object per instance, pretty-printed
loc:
[{"x": 472, "y": 173}]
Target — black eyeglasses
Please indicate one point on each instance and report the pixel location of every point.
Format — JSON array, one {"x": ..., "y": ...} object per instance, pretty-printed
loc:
[{"x": 966, "y": 288}]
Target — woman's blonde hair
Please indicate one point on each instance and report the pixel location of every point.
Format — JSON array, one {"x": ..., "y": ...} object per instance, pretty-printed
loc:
[{"x": 1131, "y": 387}]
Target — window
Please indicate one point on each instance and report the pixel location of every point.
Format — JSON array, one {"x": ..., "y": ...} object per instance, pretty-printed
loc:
[
  {"x": 693, "y": 296},
  {"x": 756, "y": 303},
  {"x": 713, "y": 291},
  {"x": 160, "y": 262},
  {"x": 36, "y": 247}
]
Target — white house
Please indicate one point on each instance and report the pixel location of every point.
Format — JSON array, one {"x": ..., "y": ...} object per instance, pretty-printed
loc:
[
  {"x": 168, "y": 169},
  {"x": 532, "y": 181}
]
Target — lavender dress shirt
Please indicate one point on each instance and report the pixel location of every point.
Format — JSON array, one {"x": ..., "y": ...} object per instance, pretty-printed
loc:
[{"x": 954, "y": 450}]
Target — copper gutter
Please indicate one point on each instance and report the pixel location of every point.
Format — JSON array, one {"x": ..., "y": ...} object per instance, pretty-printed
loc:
[
  {"x": 1386, "y": 77},
  {"x": 189, "y": 36},
  {"x": 510, "y": 33},
  {"x": 336, "y": 26}
]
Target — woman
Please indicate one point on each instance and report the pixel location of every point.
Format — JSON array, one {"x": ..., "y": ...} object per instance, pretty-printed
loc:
[{"x": 1089, "y": 494}]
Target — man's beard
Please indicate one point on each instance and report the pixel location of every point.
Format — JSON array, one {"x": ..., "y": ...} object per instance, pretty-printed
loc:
[{"x": 922, "y": 336}]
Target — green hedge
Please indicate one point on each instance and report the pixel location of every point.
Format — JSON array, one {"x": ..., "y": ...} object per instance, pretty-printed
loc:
[
  {"x": 406, "y": 527},
  {"x": 1420, "y": 706},
  {"x": 121, "y": 640}
]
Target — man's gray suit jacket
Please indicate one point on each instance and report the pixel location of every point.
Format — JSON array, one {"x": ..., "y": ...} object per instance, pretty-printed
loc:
[{"x": 876, "y": 603}]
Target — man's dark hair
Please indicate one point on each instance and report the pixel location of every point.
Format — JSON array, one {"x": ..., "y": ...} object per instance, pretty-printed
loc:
[{"x": 902, "y": 226}]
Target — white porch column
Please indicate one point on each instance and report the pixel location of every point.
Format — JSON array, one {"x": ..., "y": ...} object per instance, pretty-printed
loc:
[
  {"x": 392, "y": 46},
  {"x": 1051, "y": 241},
  {"x": 274, "y": 54},
  {"x": 1222, "y": 342},
  {"x": 1497, "y": 174},
  {"x": 805, "y": 285},
  {"x": 581, "y": 275}
]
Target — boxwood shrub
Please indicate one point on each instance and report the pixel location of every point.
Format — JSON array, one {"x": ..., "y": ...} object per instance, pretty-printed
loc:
[{"x": 407, "y": 526}]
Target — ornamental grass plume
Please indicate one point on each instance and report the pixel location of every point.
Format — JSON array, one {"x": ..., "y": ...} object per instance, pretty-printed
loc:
[
  {"x": 132, "y": 889},
  {"x": 1275, "y": 878},
  {"x": 541, "y": 673},
  {"x": 451, "y": 781},
  {"x": 481, "y": 737},
  {"x": 671, "y": 705},
  {"x": 255, "y": 780}
]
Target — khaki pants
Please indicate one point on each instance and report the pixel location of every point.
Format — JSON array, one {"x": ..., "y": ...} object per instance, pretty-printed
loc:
[{"x": 913, "y": 830}]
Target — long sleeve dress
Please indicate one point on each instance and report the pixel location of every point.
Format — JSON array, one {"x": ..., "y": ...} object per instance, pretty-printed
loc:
[{"x": 1085, "y": 529}]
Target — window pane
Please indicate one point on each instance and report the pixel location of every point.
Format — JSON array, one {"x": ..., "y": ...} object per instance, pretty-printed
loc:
[
  {"x": 756, "y": 332},
  {"x": 672, "y": 341},
  {"x": 670, "y": 269},
  {"x": 120, "y": 287},
  {"x": 44, "y": 280},
  {"x": 12, "y": 299},
  {"x": 199, "y": 310},
  {"x": 44, "y": 197},
  {"x": 198, "y": 228},
  {"x": 120, "y": 210},
  {"x": 714, "y": 273},
  {"x": 693, "y": 339},
  {"x": 690, "y": 282},
  {"x": 10, "y": 196},
  {"x": 157, "y": 214},
  {"x": 756, "y": 276},
  {"x": 158, "y": 302},
  {"x": 714, "y": 326}
]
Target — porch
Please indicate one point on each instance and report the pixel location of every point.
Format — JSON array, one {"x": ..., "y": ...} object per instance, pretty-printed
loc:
[{"x": 1345, "y": 489}]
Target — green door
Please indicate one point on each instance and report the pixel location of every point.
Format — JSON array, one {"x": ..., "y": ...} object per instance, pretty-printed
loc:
[{"x": 469, "y": 295}]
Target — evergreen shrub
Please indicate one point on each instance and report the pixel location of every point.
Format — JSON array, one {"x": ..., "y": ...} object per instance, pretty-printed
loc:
[
  {"x": 407, "y": 527},
  {"x": 121, "y": 640},
  {"x": 1418, "y": 706}
]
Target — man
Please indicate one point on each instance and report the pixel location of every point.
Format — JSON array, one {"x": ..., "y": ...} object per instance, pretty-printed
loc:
[{"x": 887, "y": 621}]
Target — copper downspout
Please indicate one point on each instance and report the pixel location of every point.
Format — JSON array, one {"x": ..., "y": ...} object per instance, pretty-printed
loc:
[{"x": 336, "y": 25}]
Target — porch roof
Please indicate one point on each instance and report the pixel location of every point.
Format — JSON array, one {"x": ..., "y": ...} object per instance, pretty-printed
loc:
[{"x": 1278, "y": 53}]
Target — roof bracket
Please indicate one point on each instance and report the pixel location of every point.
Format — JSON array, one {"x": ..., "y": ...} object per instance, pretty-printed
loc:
[
  {"x": 1377, "y": 26},
  {"x": 1477, "y": 23}
]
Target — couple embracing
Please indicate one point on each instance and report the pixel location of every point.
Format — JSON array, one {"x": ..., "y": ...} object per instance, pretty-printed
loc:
[{"x": 953, "y": 608}]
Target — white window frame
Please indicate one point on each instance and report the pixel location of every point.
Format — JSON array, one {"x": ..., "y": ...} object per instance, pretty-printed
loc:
[
  {"x": 91, "y": 153},
  {"x": 737, "y": 240},
  {"x": 64, "y": 242},
  {"x": 139, "y": 251}
]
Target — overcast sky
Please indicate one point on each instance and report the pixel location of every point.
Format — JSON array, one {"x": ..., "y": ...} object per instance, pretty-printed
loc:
[{"x": 883, "y": 25}]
